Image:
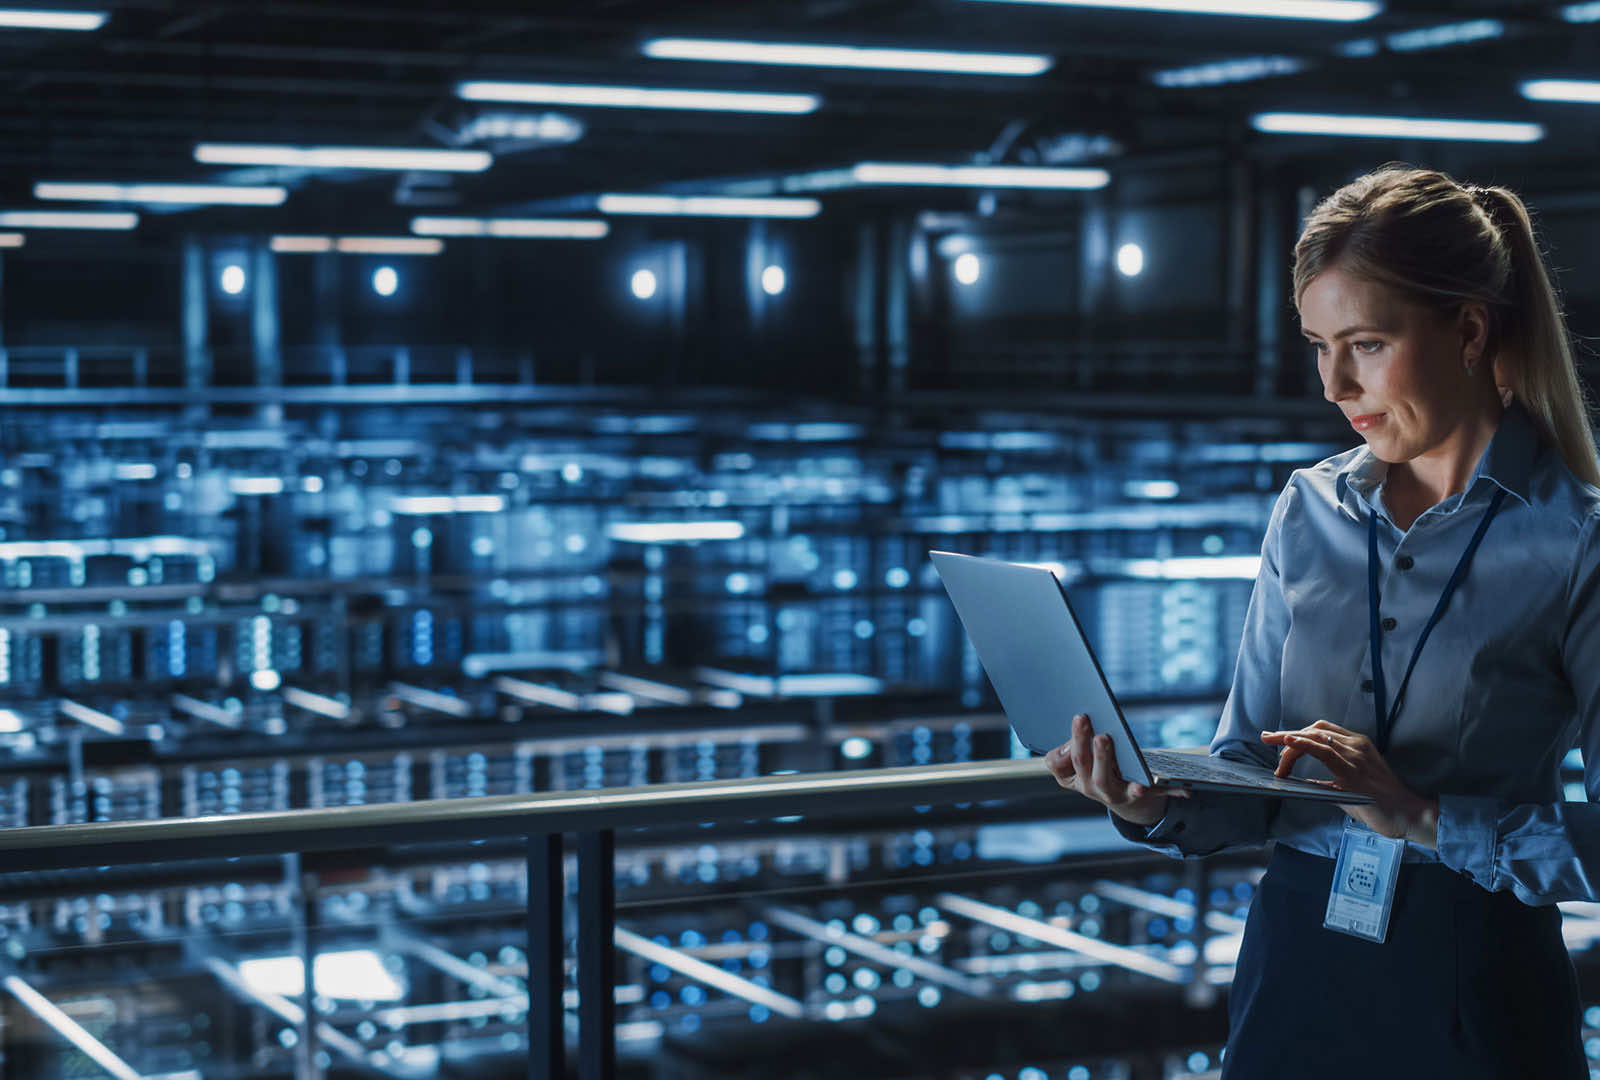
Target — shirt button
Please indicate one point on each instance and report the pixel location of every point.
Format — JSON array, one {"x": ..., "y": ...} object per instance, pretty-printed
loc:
[
  {"x": 1389, "y": 624},
  {"x": 1405, "y": 562},
  {"x": 1366, "y": 686}
]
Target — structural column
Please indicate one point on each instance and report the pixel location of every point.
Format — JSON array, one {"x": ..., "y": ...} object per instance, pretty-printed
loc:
[
  {"x": 264, "y": 334},
  {"x": 196, "y": 325},
  {"x": 865, "y": 309},
  {"x": 897, "y": 306}
]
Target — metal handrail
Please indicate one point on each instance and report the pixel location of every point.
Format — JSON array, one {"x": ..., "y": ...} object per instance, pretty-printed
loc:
[{"x": 53, "y": 847}]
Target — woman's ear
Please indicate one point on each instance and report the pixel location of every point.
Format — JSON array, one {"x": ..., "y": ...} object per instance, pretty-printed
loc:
[{"x": 1472, "y": 323}]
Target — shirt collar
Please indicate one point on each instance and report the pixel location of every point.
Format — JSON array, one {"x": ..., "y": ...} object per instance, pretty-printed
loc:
[{"x": 1507, "y": 461}]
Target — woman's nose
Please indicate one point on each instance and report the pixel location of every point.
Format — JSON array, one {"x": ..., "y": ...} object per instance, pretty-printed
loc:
[{"x": 1338, "y": 382}]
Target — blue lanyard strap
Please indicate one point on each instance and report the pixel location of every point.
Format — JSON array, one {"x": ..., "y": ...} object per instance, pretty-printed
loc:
[{"x": 1385, "y": 716}]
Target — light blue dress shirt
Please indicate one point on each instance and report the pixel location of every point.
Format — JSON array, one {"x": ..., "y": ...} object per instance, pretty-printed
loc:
[{"x": 1507, "y": 684}]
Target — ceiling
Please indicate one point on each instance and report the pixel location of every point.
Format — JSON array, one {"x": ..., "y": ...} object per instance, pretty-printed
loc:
[{"x": 129, "y": 101}]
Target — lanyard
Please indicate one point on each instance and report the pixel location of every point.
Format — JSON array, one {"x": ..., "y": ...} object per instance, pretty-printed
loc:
[{"x": 1380, "y": 698}]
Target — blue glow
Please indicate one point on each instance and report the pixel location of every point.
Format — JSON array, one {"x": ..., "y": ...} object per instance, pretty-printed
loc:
[{"x": 855, "y": 748}]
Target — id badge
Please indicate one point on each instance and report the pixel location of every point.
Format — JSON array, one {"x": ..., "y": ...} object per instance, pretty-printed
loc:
[{"x": 1363, "y": 883}]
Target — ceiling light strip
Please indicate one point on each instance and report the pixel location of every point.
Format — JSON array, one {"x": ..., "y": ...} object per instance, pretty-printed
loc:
[
  {"x": 189, "y": 194},
  {"x": 989, "y": 176},
  {"x": 637, "y": 97},
  {"x": 1396, "y": 127},
  {"x": 848, "y": 56},
  {"x": 1326, "y": 10},
  {"x": 343, "y": 157},
  {"x": 512, "y": 228},
  {"x": 708, "y": 206},
  {"x": 33, "y": 19},
  {"x": 355, "y": 245},
  {"x": 67, "y": 219},
  {"x": 1582, "y": 91}
]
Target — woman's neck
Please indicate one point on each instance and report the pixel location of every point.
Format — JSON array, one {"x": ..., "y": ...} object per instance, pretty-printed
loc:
[{"x": 1433, "y": 476}]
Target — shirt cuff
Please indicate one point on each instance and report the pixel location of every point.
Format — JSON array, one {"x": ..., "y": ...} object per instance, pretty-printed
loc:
[
  {"x": 1162, "y": 835},
  {"x": 1467, "y": 835}
]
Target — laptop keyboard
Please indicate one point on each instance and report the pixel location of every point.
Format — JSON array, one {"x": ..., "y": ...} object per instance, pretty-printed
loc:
[{"x": 1204, "y": 767}]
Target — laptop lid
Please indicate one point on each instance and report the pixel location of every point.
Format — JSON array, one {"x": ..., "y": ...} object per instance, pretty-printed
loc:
[{"x": 1036, "y": 654}]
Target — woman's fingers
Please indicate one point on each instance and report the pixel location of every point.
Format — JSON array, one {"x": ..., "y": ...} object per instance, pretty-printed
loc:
[
  {"x": 1107, "y": 778},
  {"x": 1326, "y": 752},
  {"x": 1082, "y": 753},
  {"x": 1287, "y": 756}
]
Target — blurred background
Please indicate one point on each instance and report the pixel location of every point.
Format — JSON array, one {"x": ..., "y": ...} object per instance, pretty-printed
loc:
[{"x": 402, "y": 401}]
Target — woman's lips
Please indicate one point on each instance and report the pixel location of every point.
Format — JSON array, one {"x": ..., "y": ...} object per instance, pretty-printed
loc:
[{"x": 1365, "y": 421}]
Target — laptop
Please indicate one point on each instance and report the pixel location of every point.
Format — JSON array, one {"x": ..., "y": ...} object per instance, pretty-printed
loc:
[{"x": 1044, "y": 672}]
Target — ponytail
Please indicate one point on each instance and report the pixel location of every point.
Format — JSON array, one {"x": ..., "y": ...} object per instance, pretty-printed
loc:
[{"x": 1535, "y": 360}]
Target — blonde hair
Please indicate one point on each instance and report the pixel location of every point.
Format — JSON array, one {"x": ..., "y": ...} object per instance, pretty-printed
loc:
[{"x": 1442, "y": 243}]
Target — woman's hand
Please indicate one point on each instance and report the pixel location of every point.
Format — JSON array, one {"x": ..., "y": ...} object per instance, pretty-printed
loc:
[
  {"x": 1088, "y": 765},
  {"x": 1358, "y": 767}
]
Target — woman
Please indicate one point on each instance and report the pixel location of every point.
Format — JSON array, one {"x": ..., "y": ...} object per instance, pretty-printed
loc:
[{"x": 1437, "y": 333}]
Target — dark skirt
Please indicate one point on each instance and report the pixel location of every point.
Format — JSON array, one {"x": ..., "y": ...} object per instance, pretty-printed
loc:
[{"x": 1470, "y": 984}]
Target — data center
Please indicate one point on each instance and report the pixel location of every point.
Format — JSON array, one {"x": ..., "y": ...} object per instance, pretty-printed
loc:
[{"x": 467, "y": 476}]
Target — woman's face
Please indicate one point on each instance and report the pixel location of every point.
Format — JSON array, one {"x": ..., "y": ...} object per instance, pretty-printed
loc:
[{"x": 1396, "y": 370}]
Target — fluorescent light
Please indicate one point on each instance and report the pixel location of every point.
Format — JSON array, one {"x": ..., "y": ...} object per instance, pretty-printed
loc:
[
  {"x": 526, "y": 228},
  {"x": 342, "y": 157},
  {"x": 10, "y": 721},
  {"x": 709, "y": 206},
  {"x": 356, "y": 245},
  {"x": 1396, "y": 127},
  {"x": 1438, "y": 37},
  {"x": 1581, "y": 13},
  {"x": 663, "y": 532},
  {"x": 1008, "y": 176},
  {"x": 134, "y": 470},
  {"x": 1246, "y": 69},
  {"x": 387, "y": 245},
  {"x": 1579, "y": 90},
  {"x": 638, "y": 97},
  {"x": 67, "y": 219},
  {"x": 1329, "y": 10},
  {"x": 850, "y": 56},
  {"x": 255, "y": 485},
  {"x": 11, "y": 240},
  {"x": 447, "y": 504},
  {"x": 29, "y": 19},
  {"x": 189, "y": 194},
  {"x": 301, "y": 245},
  {"x": 1241, "y": 567},
  {"x": 354, "y": 975}
]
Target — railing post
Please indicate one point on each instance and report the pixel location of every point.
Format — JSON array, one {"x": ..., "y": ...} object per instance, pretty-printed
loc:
[
  {"x": 141, "y": 367},
  {"x": 70, "y": 360},
  {"x": 1198, "y": 991},
  {"x": 402, "y": 366},
  {"x": 547, "y": 1044},
  {"x": 464, "y": 366},
  {"x": 305, "y": 882},
  {"x": 597, "y": 950}
]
